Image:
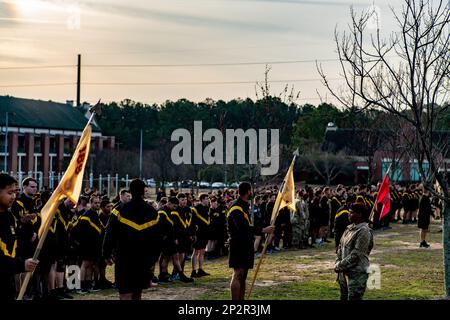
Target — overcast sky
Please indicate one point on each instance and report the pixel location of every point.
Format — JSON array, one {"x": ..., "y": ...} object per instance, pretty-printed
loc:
[{"x": 170, "y": 33}]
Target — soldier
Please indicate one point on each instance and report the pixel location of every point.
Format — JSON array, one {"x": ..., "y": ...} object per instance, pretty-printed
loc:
[
  {"x": 105, "y": 214},
  {"x": 352, "y": 260},
  {"x": 88, "y": 233},
  {"x": 341, "y": 220},
  {"x": 199, "y": 225},
  {"x": 337, "y": 200},
  {"x": 258, "y": 222},
  {"x": 425, "y": 212},
  {"x": 29, "y": 222},
  {"x": 181, "y": 236},
  {"x": 124, "y": 197},
  {"x": 241, "y": 240},
  {"x": 133, "y": 242},
  {"x": 10, "y": 262},
  {"x": 168, "y": 244}
]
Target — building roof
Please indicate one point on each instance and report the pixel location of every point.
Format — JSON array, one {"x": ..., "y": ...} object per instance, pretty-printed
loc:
[
  {"x": 28, "y": 113},
  {"x": 355, "y": 142}
]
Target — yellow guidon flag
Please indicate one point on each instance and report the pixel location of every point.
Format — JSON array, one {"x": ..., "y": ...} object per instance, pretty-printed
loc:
[
  {"x": 286, "y": 194},
  {"x": 71, "y": 183},
  {"x": 69, "y": 186}
]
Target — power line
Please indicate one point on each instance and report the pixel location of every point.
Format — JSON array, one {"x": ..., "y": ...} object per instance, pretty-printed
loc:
[
  {"x": 225, "y": 64},
  {"x": 36, "y": 85},
  {"x": 197, "y": 83},
  {"x": 162, "y": 83},
  {"x": 37, "y": 67}
]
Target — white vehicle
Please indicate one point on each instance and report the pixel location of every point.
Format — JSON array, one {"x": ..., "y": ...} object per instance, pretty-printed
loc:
[
  {"x": 218, "y": 185},
  {"x": 151, "y": 183},
  {"x": 204, "y": 184},
  {"x": 234, "y": 185}
]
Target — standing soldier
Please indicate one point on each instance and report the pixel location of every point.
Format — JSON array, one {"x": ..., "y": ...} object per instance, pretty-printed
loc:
[
  {"x": 241, "y": 237},
  {"x": 10, "y": 262},
  {"x": 105, "y": 214},
  {"x": 29, "y": 222},
  {"x": 181, "y": 235},
  {"x": 352, "y": 260},
  {"x": 337, "y": 200},
  {"x": 200, "y": 224},
  {"x": 168, "y": 242},
  {"x": 341, "y": 220},
  {"x": 132, "y": 242},
  {"x": 88, "y": 234}
]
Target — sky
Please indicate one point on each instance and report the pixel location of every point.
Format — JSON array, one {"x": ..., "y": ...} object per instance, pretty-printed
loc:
[{"x": 193, "y": 49}]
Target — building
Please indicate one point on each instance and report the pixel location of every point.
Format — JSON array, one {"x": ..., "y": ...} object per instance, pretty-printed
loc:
[
  {"x": 373, "y": 152},
  {"x": 41, "y": 136}
]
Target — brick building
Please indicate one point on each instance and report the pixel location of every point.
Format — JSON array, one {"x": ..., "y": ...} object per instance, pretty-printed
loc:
[
  {"x": 41, "y": 136},
  {"x": 374, "y": 150}
]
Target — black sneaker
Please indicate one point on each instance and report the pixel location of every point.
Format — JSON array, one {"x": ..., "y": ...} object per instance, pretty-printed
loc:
[
  {"x": 202, "y": 273},
  {"x": 194, "y": 274},
  {"x": 164, "y": 278},
  {"x": 62, "y": 294},
  {"x": 184, "y": 278},
  {"x": 424, "y": 244}
]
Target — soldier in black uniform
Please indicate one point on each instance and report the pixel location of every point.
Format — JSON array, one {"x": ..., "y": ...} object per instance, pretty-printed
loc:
[
  {"x": 29, "y": 222},
  {"x": 341, "y": 219},
  {"x": 10, "y": 262},
  {"x": 199, "y": 226},
  {"x": 105, "y": 213},
  {"x": 181, "y": 235},
  {"x": 336, "y": 202},
  {"x": 241, "y": 237},
  {"x": 124, "y": 197},
  {"x": 88, "y": 235},
  {"x": 133, "y": 242},
  {"x": 168, "y": 242}
]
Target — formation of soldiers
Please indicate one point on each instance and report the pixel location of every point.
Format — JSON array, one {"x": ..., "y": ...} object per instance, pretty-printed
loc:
[{"x": 136, "y": 234}]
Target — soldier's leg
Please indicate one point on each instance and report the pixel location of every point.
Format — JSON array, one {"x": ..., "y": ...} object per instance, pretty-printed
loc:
[
  {"x": 342, "y": 281},
  {"x": 357, "y": 284}
]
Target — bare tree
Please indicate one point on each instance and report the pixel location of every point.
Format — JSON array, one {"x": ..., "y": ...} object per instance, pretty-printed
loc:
[{"x": 407, "y": 75}]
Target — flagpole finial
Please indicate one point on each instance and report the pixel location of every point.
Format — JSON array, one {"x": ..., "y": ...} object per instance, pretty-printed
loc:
[
  {"x": 96, "y": 108},
  {"x": 296, "y": 153}
]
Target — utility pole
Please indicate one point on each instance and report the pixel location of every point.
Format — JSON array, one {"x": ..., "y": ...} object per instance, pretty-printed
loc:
[
  {"x": 6, "y": 143},
  {"x": 79, "y": 81},
  {"x": 140, "y": 157}
]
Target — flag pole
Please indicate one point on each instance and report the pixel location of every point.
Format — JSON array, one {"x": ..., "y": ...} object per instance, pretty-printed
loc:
[
  {"x": 54, "y": 206},
  {"x": 378, "y": 193},
  {"x": 272, "y": 223}
]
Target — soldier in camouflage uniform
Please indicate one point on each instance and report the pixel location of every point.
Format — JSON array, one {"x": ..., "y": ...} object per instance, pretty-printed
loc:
[
  {"x": 300, "y": 224},
  {"x": 353, "y": 252}
]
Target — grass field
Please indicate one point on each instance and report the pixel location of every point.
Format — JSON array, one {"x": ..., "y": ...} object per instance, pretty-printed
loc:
[{"x": 407, "y": 272}]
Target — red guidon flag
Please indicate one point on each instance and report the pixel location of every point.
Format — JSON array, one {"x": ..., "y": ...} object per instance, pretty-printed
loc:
[{"x": 384, "y": 197}]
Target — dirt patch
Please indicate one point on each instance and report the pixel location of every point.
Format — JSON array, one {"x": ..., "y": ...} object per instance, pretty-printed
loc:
[{"x": 160, "y": 293}]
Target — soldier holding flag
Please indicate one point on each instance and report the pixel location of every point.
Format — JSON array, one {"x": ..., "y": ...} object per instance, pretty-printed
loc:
[{"x": 241, "y": 237}]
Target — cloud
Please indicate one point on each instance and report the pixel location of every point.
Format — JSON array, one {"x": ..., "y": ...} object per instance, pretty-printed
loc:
[{"x": 181, "y": 19}]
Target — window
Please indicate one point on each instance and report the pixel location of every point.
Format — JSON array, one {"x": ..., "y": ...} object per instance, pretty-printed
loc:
[
  {"x": 393, "y": 176},
  {"x": 414, "y": 172},
  {"x": 37, "y": 144},
  {"x": 21, "y": 147}
]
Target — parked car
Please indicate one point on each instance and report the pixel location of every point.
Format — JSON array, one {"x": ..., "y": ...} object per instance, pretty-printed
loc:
[
  {"x": 218, "y": 185},
  {"x": 151, "y": 183},
  {"x": 204, "y": 184},
  {"x": 234, "y": 185}
]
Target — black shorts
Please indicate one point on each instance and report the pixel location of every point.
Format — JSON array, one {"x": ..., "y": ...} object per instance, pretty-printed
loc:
[
  {"x": 132, "y": 276},
  {"x": 423, "y": 222},
  {"x": 200, "y": 243},
  {"x": 241, "y": 255}
]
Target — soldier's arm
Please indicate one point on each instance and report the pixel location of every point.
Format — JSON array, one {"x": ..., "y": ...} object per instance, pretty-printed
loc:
[
  {"x": 109, "y": 240},
  {"x": 9, "y": 264}
]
